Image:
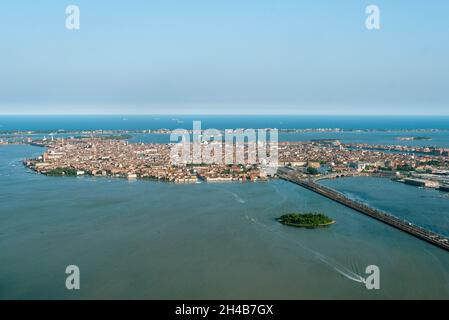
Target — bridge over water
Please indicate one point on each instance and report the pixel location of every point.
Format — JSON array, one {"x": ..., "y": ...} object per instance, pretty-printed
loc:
[{"x": 421, "y": 233}]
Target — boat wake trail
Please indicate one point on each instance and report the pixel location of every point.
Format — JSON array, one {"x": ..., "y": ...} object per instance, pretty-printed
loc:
[
  {"x": 342, "y": 270},
  {"x": 235, "y": 195},
  {"x": 237, "y": 198}
]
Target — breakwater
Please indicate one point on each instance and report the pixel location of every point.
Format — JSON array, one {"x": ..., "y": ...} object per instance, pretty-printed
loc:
[{"x": 419, "y": 232}]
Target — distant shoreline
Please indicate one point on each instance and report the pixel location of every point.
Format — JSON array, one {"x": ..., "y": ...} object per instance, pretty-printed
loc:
[
  {"x": 413, "y": 138},
  {"x": 168, "y": 131}
]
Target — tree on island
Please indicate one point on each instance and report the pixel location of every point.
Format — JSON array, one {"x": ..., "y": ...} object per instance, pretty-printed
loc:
[{"x": 308, "y": 220}]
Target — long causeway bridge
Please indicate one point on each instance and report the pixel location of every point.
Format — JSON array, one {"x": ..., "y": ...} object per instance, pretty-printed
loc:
[{"x": 421, "y": 233}]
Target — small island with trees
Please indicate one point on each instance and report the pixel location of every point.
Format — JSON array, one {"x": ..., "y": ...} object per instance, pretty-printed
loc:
[
  {"x": 413, "y": 138},
  {"x": 309, "y": 220}
]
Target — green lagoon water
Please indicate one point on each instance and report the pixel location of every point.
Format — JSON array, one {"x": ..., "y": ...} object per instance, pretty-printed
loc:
[{"x": 140, "y": 239}]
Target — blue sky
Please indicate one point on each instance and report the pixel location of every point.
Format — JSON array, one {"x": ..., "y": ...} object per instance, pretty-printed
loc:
[{"x": 224, "y": 57}]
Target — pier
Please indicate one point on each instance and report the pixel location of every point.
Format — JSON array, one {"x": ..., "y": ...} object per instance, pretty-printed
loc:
[{"x": 421, "y": 233}]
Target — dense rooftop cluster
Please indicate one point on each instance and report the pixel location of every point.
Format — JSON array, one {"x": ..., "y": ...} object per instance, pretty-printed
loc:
[{"x": 118, "y": 157}]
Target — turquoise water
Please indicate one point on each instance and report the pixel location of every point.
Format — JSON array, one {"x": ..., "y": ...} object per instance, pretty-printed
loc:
[
  {"x": 157, "y": 240},
  {"x": 439, "y": 139},
  {"x": 144, "y": 122}
]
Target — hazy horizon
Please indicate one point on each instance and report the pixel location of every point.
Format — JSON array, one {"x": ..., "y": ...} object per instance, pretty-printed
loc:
[{"x": 227, "y": 114}]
